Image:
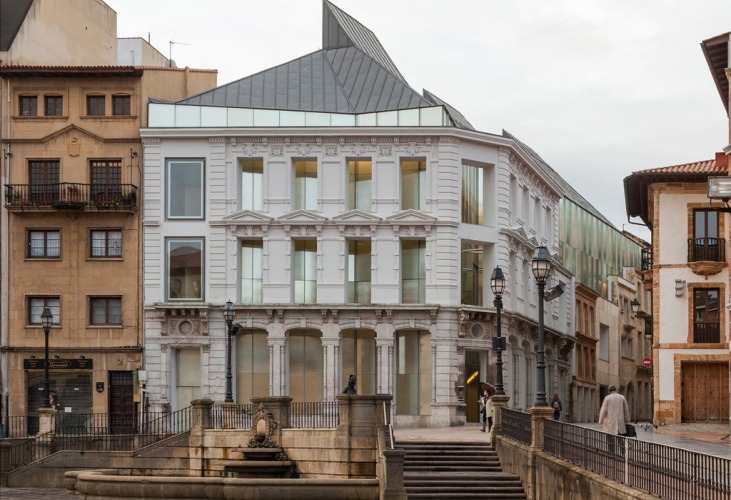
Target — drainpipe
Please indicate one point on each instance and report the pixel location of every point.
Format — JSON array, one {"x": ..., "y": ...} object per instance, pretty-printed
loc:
[{"x": 4, "y": 260}]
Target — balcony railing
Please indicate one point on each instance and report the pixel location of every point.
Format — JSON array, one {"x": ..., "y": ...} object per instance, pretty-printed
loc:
[
  {"x": 706, "y": 333},
  {"x": 71, "y": 196},
  {"x": 706, "y": 249}
]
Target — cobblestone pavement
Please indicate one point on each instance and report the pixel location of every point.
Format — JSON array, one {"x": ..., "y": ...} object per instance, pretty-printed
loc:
[{"x": 36, "y": 494}]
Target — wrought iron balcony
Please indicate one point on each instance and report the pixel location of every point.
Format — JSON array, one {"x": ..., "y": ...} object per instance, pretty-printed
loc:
[
  {"x": 646, "y": 262},
  {"x": 71, "y": 196},
  {"x": 706, "y": 333},
  {"x": 706, "y": 249}
]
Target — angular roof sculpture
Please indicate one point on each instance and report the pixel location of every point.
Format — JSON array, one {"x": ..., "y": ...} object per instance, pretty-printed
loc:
[{"x": 352, "y": 73}]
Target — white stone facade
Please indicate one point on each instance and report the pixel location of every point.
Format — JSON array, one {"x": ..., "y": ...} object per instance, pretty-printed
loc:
[{"x": 511, "y": 231}]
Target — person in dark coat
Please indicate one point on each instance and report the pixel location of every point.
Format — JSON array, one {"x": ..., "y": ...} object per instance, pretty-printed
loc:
[{"x": 557, "y": 407}]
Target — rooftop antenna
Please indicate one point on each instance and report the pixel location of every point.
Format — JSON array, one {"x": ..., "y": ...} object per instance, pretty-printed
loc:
[{"x": 170, "y": 52}]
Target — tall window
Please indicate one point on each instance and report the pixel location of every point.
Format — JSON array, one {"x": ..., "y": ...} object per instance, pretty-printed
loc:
[
  {"x": 358, "y": 349},
  {"x": 44, "y": 179},
  {"x": 53, "y": 105},
  {"x": 106, "y": 180},
  {"x": 706, "y": 245},
  {"x": 36, "y": 306},
  {"x": 305, "y": 184},
  {"x": 603, "y": 342},
  {"x": 44, "y": 244},
  {"x": 121, "y": 105},
  {"x": 305, "y": 365},
  {"x": 105, "y": 310},
  {"x": 305, "y": 271},
  {"x": 360, "y": 175},
  {"x": 251, "y": 272},
  {"x": 185, "y": 189},
  {"x": 473, "y": 195},
  {"x": 472, "y": 274},
  {"x": 252, "y": 366},
  {"x": 252, "y": 186},
  {"x": 706, "y": 316},
  {"x": 28, "y": 105},
  {"x": 413, "y": 184},
  {"x": 95, "y": 105},
  {"x": 106, "y": 243},
  {"x": 413, "y": 271},
  {"x": 359, "y": 271},
  {"x": 413, "y": 373},
  {"x": 184, "y": 269}
]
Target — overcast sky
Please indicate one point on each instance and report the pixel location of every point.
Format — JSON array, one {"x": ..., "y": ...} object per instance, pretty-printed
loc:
[{"x": 599, "y": 88}]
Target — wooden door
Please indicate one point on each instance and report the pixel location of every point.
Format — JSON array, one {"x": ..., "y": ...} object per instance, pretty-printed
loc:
[
  {"x": 122, "y": 411},
  {"x": 705, "y": 392}
]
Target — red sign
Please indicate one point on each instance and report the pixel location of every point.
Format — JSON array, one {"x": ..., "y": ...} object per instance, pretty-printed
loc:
[{"x": 647, "y": 362}]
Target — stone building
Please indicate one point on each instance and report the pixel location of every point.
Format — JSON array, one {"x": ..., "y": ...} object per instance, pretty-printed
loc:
[
  {"x": 71, "y": 190},
  {"x": 354, "y": 224}
]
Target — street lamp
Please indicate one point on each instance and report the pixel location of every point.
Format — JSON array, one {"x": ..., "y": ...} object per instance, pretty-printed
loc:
[
  {"x": 635, "y": 305},
  {"x": 229, "y": 314},
  {"x": 497, "y": 284},
  {"x": 541, "y": 266},
  {"x": 46, "y": 322}
]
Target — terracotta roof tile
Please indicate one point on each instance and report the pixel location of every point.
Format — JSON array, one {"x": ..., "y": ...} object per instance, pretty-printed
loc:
[{"x": 697, "y": 167}]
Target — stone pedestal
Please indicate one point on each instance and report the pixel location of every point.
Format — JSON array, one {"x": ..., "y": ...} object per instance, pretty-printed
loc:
[
  {"x": 46, "y": 421},
  {"x": 394, "y": 466},
  {"x": 202, "y": 418},
  {"x": 279, "y": 407},
  {"x": 498, "y": 403},
  {"x": 537, "y": 415}
]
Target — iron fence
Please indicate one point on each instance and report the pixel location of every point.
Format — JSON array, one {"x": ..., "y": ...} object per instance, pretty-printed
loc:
[
  {"x": 19, "y": 427},
  {"x": 231, "y": 416},
  {"x": 706, "y": 249},
  {"x": 318, "y": 415},
  {"x": 71, "y": 195},
  {"x": 516, "y": 425},
  {"x": 661, "y": 470}
]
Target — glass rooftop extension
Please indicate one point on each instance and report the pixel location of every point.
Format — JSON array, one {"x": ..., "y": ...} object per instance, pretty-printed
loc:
[{"x": 190, "y": 116}]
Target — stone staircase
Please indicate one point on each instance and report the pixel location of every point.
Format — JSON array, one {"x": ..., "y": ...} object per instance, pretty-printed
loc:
[{"x": 448, "y": 469}]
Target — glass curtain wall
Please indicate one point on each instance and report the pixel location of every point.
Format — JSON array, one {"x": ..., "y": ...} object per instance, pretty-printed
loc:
[
  {"x": 252, "y": 184},
  {"x": 359, "y": 271},
  {"x": 413, "y": 271},
  {"x": 305, "y": 184},
  {"x": 413, "y": 184},
  {"x": 360, "y": 175},
  {"x": 252, "y": 366},
  {"x": 305, "y": 366},
  {"x": 472, "y": 194},
  {"x": 472, "y": 274},
  {"x": 413, "y": 373},
  {"x": 358, "y": 349},
  {"x": 251, "y": 272},
  {"x": 305, "y": 271}
]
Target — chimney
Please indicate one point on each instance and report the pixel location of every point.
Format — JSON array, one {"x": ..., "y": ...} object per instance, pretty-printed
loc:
[{"x": 722, "y": 161}]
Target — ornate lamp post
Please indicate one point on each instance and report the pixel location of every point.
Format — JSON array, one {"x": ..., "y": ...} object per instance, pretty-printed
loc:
[
  {"x": 229, "y": 314},
  {"x": 541, "y": 266},
  {"x": 635, "y": 305},
  {"x": 46, "y": 322},
  {"x": 497, "y": 285}
]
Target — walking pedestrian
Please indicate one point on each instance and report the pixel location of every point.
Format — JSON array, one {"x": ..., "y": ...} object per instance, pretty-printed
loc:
[
  {"x": 613, "y": 416},
  {"x": 557, "y": 408},
  {"x": 487, "y": 410}
]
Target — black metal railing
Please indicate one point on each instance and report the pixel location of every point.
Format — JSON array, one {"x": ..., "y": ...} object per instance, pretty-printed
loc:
[
  {"x": 706, "y": 333},
  {"x": 516, "y": 425},
  {"x": 661, "y": 470},
  {"x": 19, "y": 427},
  {"x": 706, "y": 249},
  {"x": 646, "y": 259},
  {"x": 317, "y": 415},
  {"x": 71, "y": 195},
  {"x": 231, "y": 416},
  {"x": 92, "y": 432}
]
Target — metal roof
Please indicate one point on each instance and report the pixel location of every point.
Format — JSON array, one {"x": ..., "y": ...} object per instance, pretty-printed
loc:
[
  {"x": 567, "y": 189},
  {"x": 457, "y": 117},
  {"x": 352, "y": 73},
  {"x": 12, "y": 15}
]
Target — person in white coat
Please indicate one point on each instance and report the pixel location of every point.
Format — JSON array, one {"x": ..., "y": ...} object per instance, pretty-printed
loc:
[
  {"x": 613, "y": 415},
  {"x": 487, "y": 410}
]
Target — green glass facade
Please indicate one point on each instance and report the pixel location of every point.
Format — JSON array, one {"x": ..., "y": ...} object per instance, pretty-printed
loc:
[{"x": 593, "y": 250}]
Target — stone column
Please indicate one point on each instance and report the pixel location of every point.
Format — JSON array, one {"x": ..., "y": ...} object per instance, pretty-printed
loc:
[
  {"x": 360, "y": 417},
  {"x": 394, "y": 480},
  {"x": 498, "y": 403}
]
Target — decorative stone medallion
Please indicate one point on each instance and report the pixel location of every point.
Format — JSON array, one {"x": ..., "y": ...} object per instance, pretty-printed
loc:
[{"x": 262, "y": 429}]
